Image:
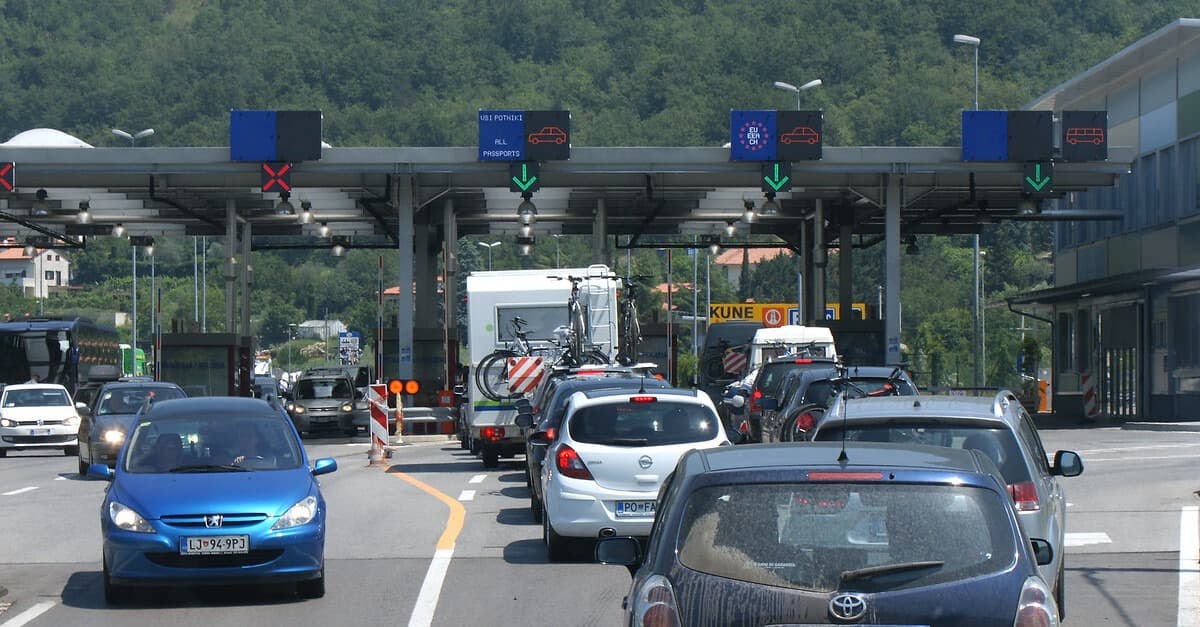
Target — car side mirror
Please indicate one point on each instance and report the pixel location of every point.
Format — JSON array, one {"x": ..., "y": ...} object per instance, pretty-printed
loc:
[
  {"x": 1042, "y": 551},
  {"x": 736, "y": 400},
  {"x": 100, "y": 471},
  {"x": 769, "y": 403},
  {"x": 1068, "y": 464},
  {"x": 524, "y": 420},
  {"x": 324, "y": 466},
  {"x": 82, "y": 409},
  {"x": 620, "y": 551},
  {"x": 524, "y": 406}
]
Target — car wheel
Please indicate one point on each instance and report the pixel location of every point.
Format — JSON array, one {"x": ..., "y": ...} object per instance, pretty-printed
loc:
[
  {"x": 557, "y": 547},
  {"x": 463, "y": 443},
  {"x": 83, "y": 466},
  {"x": 3, "y": 452},
  {"x": 1060, "y": 592},
  {"x": 312, "y": 588},
  {"x": 113, "y": 594},
  {"x": 491, "y": 458},
  {"x": 474, "y": 446},
  {"x": 70, "y": 451},
  {"x": 535, "y": 506}
]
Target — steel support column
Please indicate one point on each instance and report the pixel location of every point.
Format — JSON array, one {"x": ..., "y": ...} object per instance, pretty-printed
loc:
[
  {"x": 424, "y": 271},
  {"x": 820, "y": 257},
  {"x": 229, "y": 265},
  {"x": 600, "y": 233},
  {"x": 891, "y": 251},
  {"x": 402, "y": 200}
]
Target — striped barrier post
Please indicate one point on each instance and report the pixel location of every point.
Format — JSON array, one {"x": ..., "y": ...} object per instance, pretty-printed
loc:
[
  {"x": 378, "y": 427},
  {"x": 1090, "y": 405},
  {"x": 524, "y": 373}
]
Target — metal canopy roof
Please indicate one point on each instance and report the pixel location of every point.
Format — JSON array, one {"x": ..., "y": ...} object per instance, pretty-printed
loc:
[{"x": 690, "y": 190}]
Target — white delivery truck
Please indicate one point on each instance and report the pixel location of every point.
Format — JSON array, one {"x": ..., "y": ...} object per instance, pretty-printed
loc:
[
  {"x": 539, "y": 298},
  {"x": 789, "y": 339}
]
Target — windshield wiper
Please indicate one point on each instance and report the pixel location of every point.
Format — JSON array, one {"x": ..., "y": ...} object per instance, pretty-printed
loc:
[
  {"x": 209, "y": 468},
  {"x": 887, "y": 569}
]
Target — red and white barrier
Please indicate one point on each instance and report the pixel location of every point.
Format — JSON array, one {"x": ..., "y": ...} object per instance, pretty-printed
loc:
[
  {"x": 524, "y": 373},
  {"x": 378, "y": 425},
  {"x": 1090, "y": 406}
]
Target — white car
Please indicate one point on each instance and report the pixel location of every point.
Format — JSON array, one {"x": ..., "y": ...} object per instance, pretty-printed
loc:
[
  {"x": 603, "y": 471},
  {"x": 38, "y": 416}
]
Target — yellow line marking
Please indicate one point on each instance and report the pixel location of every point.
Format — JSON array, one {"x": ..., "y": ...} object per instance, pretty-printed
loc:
[{"x": 454, "y": 522}]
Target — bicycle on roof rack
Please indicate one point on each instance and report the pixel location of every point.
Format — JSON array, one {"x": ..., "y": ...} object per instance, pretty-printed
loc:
[
  {"x": 492, "y": 373},
  {"x": 796, "y": 428},
  {"x": 628, "y": 327}
]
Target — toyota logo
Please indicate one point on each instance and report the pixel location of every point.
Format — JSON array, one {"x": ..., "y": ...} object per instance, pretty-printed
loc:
[
  {"x": 847, "y": 606},
  {"x": 213, "y": 521},
  {"x": 645, "y": 461}
]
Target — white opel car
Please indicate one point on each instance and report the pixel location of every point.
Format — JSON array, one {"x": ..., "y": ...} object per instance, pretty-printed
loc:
[
  {"x": 38, "y": 416},
  {"x": 603, "y": 471}
]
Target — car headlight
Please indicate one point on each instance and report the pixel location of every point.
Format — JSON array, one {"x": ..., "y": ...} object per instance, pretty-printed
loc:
[
  {"x": 113, "y": 436},
  {"x": 5, "y": 422},
  {"x": 347, "y": 407},
  {"x": 127, "y": 519},
  {"x": 298, "y": 409},
  {"x": 73, "y": 421},
  {"x": 299, "y": 514}
]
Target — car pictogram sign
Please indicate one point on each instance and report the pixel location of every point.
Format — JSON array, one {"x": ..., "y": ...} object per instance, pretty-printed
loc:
[
  {"x": 548, "y": 135},
  {"x": 276, "y": 177}
]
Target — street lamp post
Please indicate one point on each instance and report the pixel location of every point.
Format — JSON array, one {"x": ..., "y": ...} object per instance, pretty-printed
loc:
[
  {"x": 971, "y": 40},
  {"x": 291, "y": 336},
  {"x": 489, "y": 248},
  {"x": 792, "y": 88},
  {"x": 556, "y": 258},
  {"x": 133, "y": 137}
]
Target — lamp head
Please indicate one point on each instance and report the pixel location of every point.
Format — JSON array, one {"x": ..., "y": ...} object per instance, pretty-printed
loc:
[
  {"x": 526, "y": 211},
  {"x": 323, "y": 230},
  {"x": 306, "y": 214},
  {"x": 748, "y": 216},
  {"x": 714, "y": 248},
  {"x": 770, "y": 206},
  {"x": 118, "y": 230},
  {"x": 284, "y": 208},
  {"x": 525, "y": 245},
  {"x": 85, "y": 212},
  {"x": 730, "y": 228},
  {"x": 966, "y": 39}
]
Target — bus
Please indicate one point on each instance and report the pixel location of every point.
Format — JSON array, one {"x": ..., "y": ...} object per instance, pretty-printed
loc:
[{"x": 57, "y": 350}]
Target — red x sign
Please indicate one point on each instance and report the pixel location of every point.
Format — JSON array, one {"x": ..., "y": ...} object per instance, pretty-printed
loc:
[
  {"x": 276, "y": 177},
  {"x": 8, "y": 176}
]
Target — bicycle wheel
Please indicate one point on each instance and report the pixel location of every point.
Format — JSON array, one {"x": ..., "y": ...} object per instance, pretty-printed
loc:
[
  {"x": 578, "y": 325},
  {"x": 594, "y": 358},
  {"x": 631, "y": 337},
  {"x": 491, "y": 376},
  {"x": 797, "y": 428}
]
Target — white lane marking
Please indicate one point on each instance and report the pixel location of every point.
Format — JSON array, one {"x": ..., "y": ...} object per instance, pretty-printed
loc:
[
  {"x": 1189, "y": 566},
  {"x": 477, "y": 479},
  {"x": 24, "y": 617},
  {"x": 60, "y": 478},
  {"x": 467, "y": 495},
  {"x": 1093, "y": 460},
  {"x": 1148, "y": 447},
  {"x": 427, "y": 599},
  {"x": 26, "y": 489},
  {"x": 1084, "y": 538}
]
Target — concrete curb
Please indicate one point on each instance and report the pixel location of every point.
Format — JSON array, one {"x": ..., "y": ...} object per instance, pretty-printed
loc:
[{"x": 1162, "y": 426}]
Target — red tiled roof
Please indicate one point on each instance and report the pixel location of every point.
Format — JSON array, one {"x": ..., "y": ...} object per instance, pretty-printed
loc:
[
  {"x": 733, "y": 256},
  {"x": 14, "y": 253}
]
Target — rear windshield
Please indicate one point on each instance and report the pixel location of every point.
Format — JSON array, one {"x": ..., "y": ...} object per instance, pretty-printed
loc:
[
  {"x": 771, "y": 376},
  {"x": 812, "y": 536},
  {"x": 821, "y": 392},
  {"x": 999, "y": 444},
  {"x": 643, "y": 424}
]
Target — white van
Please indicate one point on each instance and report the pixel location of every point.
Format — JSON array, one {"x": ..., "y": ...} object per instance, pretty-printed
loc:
[{"x": 769, "y": 343}]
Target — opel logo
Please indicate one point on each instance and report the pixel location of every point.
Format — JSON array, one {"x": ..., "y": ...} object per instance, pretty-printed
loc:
[
  {"x": 645, "y": 461},
  {"x": 847, "y": 606},
  {"x": 213, "y": 521}
]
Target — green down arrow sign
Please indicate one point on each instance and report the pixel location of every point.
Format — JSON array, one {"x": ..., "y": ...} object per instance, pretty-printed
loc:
[
  {"x": 523, "y": 176},
  {"x": 777, "y": 176},
  {"x": 1038, "y": 178}
]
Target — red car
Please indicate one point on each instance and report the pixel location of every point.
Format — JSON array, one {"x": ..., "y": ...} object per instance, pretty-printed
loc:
[
  {"x": 548, "y": 135},
  {"x": 800, "y": 135}
]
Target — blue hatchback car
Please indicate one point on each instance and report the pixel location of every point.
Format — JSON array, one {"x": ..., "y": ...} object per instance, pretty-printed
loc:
[
  {"x": 871, "y": 534},
  {"x": 213, "y": 490}
]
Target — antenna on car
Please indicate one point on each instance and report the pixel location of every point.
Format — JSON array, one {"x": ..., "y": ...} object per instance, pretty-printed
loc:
[{"x": 842, "y": 457}]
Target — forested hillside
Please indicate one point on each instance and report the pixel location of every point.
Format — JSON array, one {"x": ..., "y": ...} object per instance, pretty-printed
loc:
[{"x": 407, "y": 73}]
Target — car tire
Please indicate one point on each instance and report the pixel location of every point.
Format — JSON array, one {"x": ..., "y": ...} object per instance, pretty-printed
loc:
[
  {"x": 70, "y": 451},
  {"x": 312, "y": 588},
  {"x": 558, "y": 548},
  {"x": 113, "y": 593},
  {"x": 474, "y": 446},
  {"x": 535, "y": 506},
  {"x": 1060, "y": 591},
  {"x": 463, "y": 443},
  {"x": 491, "y": 458},
  {"x": 83, "y": 467},
  {"x": 3, "y": 452}
]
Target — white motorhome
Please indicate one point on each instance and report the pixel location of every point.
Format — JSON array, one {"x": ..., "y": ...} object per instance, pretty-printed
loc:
[
  {"x": 773, "y": 342},
  {"x": 539, "y": 297}
]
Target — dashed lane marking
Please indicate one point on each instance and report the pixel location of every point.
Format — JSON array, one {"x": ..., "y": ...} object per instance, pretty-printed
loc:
[
  {"x": 477, "y": 479},
  {"x": 1189, "y": 571},
  {"x": 1084, "y": 538},
  {"x": 467, "y": 495},
  {"x": 15, "y": 492},
  {"x": 28, "y": 615}
]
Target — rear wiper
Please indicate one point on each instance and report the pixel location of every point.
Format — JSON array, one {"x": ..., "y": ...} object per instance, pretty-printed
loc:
[
  {"x": 209, "y": 468},
  {"x": 887, "y": 569}
]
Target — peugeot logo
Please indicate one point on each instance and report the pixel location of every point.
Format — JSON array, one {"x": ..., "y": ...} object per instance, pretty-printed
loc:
[
  {"x": 847, "y": 606},
  {"x": 645, "y": 461},
  {"x": 213, "y": 521}
]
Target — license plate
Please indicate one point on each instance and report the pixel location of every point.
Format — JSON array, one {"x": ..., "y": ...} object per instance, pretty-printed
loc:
[
  {"x": 214, "y": 545},
  {"x": 635, "y": 508},
  {"x": 39, "y": 432}
]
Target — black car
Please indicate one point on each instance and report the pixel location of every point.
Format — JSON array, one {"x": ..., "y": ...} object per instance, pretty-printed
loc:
[
  {"x": 806, "y": 394},
  {"x": 779, "y": 534},
  {"x": 767, "y": 383},
  {"x": 104, "y": 423},
  {"x": 552, "y": 411}
]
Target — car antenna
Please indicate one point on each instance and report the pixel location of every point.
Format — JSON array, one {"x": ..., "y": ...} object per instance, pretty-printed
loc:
[
  {"x": 642, "y": 384},
  {"x": 842, "y": 457}
]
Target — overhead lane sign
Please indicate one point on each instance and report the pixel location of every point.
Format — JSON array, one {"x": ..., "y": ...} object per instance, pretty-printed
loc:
[
  {"x": 517, "y": 135},
  {"x": 766, "y": 135}
]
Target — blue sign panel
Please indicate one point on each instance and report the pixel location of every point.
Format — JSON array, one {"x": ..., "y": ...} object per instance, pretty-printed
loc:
[
  {"x": 751, "y": 135},
  {"x": 251, "y": 135},
  {"x": 501, "y": 135},
  {"x": 984, "y": 135}
]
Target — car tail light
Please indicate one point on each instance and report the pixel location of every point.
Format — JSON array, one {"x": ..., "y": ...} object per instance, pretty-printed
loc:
[
  {"x": 643, "y": 399},
  {"x": 1036, "y": 607},
  {"x": 753, "y": 404},
  {"x": 654, "y": 604},
  {"x": 845, "y": 476},
  {"x": 588, "y": 373},
  {"x": 492, "y": 434},
  {"x": 804, "y": 421},
  {"x": 569, "y": 464},
  {"x": 1024, "y": 496},
  {"x": 803, "y": 361}
]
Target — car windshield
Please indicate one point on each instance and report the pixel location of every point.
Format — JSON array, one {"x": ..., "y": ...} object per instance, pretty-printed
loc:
[
  {"x": 657, "y": 423},
  {"x": 818, "y": 536},
  {"x": 43, "y": 397},
  {"x": 313, "y": 389},
  {"x": 217, "y": 443},
  {"x": 999, "y": 444},
  {"x": 128, "y": 400}
]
